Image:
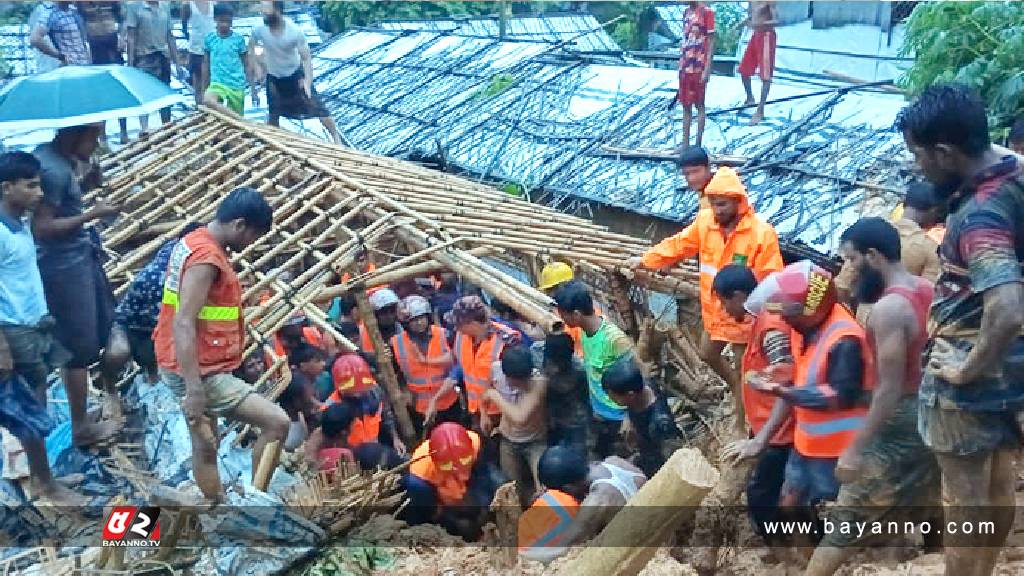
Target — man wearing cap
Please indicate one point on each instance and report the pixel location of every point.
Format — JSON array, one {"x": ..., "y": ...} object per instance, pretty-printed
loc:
[
  {"x": 424, "y": 360},
  {"x": 479, "y": 343},
  {"x": 833, "y": 374},
  {"x": 295, "y": 331},
  {"x": 464, "y": 483},
  {"x": 385, "y": 309},
  {"x": 355, "y": 386},
  {"x": 553, "y": 276},
  {"x": 727, "y": 233}
]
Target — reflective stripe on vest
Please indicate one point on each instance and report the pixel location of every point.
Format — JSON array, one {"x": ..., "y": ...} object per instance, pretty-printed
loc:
[
  {"x": 210, "y": 313},
  {"x": 564, "y": 519},
  {"x": 827, "y": 433},
  {"x": 476, "y": 379}
]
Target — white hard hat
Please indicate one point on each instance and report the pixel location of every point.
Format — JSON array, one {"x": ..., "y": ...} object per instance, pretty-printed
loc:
[
  {"x": 415, "y": 306},
  {"x": 383, "y": 298}
]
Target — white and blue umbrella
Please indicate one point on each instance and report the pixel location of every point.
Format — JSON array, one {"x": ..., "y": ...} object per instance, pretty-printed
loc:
[{"x": 76, "y": 95}]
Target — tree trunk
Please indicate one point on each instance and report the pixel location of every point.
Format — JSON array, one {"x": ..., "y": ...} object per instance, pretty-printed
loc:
[{"x": 649, "y": 519}]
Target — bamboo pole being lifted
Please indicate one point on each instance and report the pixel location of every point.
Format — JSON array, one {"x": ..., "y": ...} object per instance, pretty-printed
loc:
[
  {"x": 385, "y": 366},
  {"x": 649, "y": 519}
]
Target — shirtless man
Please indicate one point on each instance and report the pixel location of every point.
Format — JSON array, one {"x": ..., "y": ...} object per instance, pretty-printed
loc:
[
  {"x": 760, "y": 54},
  {"x": 609, "y": 484}
]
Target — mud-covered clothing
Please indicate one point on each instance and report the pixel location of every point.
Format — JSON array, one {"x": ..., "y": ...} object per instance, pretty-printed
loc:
[{"x": 657, "y": 433}]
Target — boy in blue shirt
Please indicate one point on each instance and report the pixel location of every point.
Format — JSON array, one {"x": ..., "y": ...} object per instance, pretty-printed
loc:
[
  {"x": 28, "y": 352},
  {"x": 226, "y": 63}
]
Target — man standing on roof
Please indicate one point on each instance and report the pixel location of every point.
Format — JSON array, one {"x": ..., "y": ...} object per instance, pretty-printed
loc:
[
  {"x": 287, "y": 63},
  {"x": 424, "y": 360},
  {"x": 760, "y": 53},
  {"x": 971, "y": 393},
  {"x": 697, "y": 50},
  {"x": 886, "y": 470},
  {"x": 695, "y": 166},
  {"x": 200, "y": 337},
  {"x": 728, "y": 233}
]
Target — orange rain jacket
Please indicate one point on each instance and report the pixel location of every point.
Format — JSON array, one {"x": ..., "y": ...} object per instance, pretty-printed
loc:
[{"x": 753, "y": 243}]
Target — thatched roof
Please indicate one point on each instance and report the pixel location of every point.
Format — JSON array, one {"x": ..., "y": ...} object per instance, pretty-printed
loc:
[{"x": 332, "y": 203}]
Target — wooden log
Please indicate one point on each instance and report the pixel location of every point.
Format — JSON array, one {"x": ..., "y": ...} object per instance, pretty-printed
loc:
[
  {"x": 619, "y": 288},
  {"x": 649, "y": 519},
  {"x": 386, "y": 367},
  {"x": 506, "y": 508}
]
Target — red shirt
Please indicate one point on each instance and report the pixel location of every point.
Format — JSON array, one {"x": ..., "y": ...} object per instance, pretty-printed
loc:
[
  {"x": 920, "y": 299},
  {"x": 698, "y": 26}
]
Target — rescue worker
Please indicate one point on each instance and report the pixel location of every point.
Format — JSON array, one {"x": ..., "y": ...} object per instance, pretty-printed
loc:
[
  {"x": 385, "y": 309},
  {"x": 609, "y": 485},
  {"x": 354, "y": 384},
  {"x": 604, "y": 344},
  {"x": 464, "y": 484},
  {"x": 833, "y": 373},
  {"x": 727, "y": 233},
  {"x": 552, "y": 277},
  {"x": 200, "y": 337},
  {"x": 424, "y": 360},
  {"x": 563, "y": 474},
  {"x": 295, "y": 331},
  {"x": 479, "y": 343},
  {"x": 887, "y": 470},
  {"x": 768, "y": 357}
]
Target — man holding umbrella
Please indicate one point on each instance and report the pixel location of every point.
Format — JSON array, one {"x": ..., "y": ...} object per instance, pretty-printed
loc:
[{"x": 77, "y": 293}]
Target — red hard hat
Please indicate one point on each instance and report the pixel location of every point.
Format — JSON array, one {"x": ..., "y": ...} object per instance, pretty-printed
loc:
[
  {"x": 803, "y": 290},
  {"x": 351, "y": 375},
  {"x": 451, "y": 449}
]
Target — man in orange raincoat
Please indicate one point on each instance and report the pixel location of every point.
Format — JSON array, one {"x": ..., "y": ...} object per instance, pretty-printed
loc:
[{"x": 729, "y": 232}]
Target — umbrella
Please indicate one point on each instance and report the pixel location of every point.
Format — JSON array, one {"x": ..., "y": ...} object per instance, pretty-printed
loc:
[{"x": 75, "y": 95}]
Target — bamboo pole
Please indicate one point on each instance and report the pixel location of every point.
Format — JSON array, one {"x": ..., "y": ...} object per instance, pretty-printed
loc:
[
  {"x": 649, "y": 519},
  {"x": 386, "y": 367}
]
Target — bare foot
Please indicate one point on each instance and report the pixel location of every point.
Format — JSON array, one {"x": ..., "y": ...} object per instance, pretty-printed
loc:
[
  {"x": 56, "y": 494},
  {"x": 95, "y": 433},
  {"x": 749, "y": 102},
  {"x": 756, "y": 118}
]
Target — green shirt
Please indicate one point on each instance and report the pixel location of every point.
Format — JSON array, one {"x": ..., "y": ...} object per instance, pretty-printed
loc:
[
  {"x": 226, "y": 65},
  {"x": 607, "y": 346}
]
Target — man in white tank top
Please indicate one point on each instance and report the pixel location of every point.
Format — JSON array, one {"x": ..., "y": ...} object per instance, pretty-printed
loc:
[
  {"x": 610, "y": 483},
  {"x": 197, "y": 22}
]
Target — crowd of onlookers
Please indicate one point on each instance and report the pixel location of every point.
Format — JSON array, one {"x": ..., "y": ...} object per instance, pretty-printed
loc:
[{"x": 221, "y": 64}]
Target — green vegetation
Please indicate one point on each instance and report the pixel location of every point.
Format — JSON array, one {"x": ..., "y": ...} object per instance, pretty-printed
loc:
[
  {"x": 729, "y": 17},
  {"x": 343, "y": 15},
  {"x": 978, "y": 43},
  {"x": 513, "y": 189},
  {"x": 498, "y": 84}
]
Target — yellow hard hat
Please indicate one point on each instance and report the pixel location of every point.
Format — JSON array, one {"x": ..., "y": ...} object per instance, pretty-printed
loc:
[{"x": 554, "y": 274}]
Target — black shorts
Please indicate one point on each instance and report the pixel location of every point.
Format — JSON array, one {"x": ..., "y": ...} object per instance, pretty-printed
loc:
[
  {"x": 143, "y": 351},
  {"x": 105, "y": 50},
  {"x": 79, "y": 298},
  {"x": 195, "y": 64},
  {"x": 285, "y": 97}
]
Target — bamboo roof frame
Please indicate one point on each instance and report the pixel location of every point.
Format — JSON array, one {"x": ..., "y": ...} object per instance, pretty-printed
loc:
[{"x": 331, "y": 204}]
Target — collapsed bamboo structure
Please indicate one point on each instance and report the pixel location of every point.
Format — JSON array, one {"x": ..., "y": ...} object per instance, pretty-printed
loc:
[{"x": 331, "y": 206}]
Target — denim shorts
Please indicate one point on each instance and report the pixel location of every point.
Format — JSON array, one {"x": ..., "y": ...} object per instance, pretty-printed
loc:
[{"x": 809, "y": 481}]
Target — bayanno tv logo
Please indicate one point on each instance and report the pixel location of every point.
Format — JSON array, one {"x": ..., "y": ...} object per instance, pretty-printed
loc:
[{"x": 132, "y": 526}]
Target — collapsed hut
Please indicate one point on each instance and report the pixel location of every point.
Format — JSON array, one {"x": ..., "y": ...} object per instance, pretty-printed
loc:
[{"x": 333, "y": 208}]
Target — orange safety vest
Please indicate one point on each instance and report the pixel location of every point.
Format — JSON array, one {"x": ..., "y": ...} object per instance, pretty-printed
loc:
[
  {"x": 476, "y": 364},
  {"x": 758, "y": 405},
  {"x": 450, "y": 489},
  {"x": 310, "y": 334},
  {"x": 422, "y": 379},
  {"x": 365, "y": 428},
  {"x": 827, "y": 433},
  {"x": 220, "y": 332},
  {"x": 544, "y": 523}
]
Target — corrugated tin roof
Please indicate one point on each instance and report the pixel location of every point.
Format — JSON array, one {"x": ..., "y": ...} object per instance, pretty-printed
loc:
[
  {"x": 581, "y": 32},
  {"x": 431, "y": 94}
]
